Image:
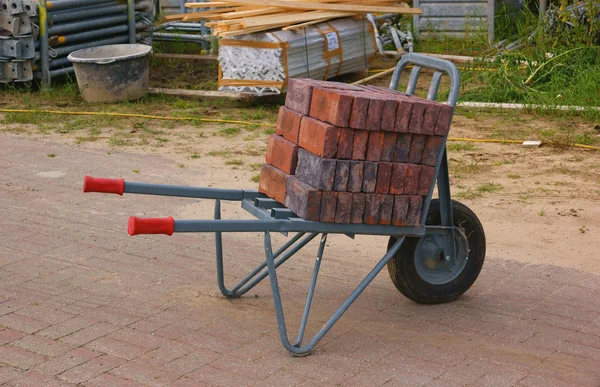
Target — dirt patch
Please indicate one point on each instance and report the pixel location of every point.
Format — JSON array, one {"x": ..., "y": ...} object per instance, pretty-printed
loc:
[{"x": 183, "y": 74}]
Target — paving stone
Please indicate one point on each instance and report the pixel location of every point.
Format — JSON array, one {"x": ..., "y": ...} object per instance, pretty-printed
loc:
[
  {"x": 384, "y": 177},
  {"x": 398, "y": 179},
  {"x": 19, "y": 358},
  {"x": 415, "y": 203},
  {"x": 389, "y": 146},
  {"x": 328, "y": 206},
  {"x": 302, "y": 199},
  {"x": 402, "y": 150},
  {"x": 375, "y": 112},
  {"x": 282, "y": 154},
  {"x": 417, "y": 117},
  {"x": 400, "y": 211},
  {"x": 369, "y": 177},
  {"x": 318, "y": 137},
  {"x": 431, "y": 152},
  {"x": 411, "y": 180},
  {"x": 375, "y": 146},
  {"x": 273, "y": 182},
  {"x": 432, "y": 112},
  {"x": 386, "y": 208},
  {"x": 360, "y": 108},
  {"x": 371, "y": 214},
  {"x": 442, "y": 125},
  {"x": 315, "y": 171},
  {"x": 343, "y": 210},
  {"x": 388, "y": 115},
  {"x": 331, "y": 106},
  {"x": 355, "y": 179},
  {"x": 417, "y": 145},
  {"x": 358, "y": 208},
  {"x": 68, "y": 360},
  {"x": 91, "y": 369},
  {"x": 299, "y": 95},
  {"x": 425, "y": 180},
  {"x": 342, "y": 173},
  {"x": 359, "y": 148},
  {"x": 345, "y": 144},
  {"x": 288, "y": 124}
]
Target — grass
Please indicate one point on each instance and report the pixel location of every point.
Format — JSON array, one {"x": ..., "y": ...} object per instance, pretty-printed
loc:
[
  {"x": 460, "y": 146},
  {"x": 135, "y": 170},
  {"x": 255, "y": 166},
  {"x": 234, "y": 162},
  {"x": 195, "y": 156},
  {"x": 51, "y": 155},
  {"x": 229, "y": 132},
  {"x": 513, "y": 176},
  {"x": 542, "y": 211},
  {"x": 269, "y": 131},
  {"x": 489, "y": 187},
  {"x": 219, "y": 153},
  {"x": 468, "y": 194},
  {"x": 255, "y": 178}
]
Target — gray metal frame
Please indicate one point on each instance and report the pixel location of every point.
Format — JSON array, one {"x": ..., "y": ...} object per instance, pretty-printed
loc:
[{"x": 274, "y": 217}]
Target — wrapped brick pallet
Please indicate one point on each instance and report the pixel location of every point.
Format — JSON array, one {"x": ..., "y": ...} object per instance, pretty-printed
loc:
[{"x": 354, "y": 154}]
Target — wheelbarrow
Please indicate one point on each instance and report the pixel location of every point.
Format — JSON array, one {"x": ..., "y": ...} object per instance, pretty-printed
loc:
[{"x": 433, "y": 263}]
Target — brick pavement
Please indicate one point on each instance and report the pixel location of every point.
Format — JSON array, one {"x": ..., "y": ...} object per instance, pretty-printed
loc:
[{"x": 80, "y": 302}]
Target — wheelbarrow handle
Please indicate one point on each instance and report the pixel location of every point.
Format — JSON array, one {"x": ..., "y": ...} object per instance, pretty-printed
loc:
[
  {"x": 97, "y": 184},
  {"x": 136, "y": 226}
]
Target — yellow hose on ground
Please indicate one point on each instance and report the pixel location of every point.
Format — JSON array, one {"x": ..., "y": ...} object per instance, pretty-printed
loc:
[{"x": 153, "y": 117}]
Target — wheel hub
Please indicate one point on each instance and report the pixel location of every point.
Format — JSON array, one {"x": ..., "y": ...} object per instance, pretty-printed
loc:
[{"x": 436, "y": 266}]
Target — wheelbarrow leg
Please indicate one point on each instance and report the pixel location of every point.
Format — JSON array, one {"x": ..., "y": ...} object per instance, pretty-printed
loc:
[
  {"x": 446, "y": 209},
  {"x": 298, "y": 349},
  {"x": 259, "y": 273}
]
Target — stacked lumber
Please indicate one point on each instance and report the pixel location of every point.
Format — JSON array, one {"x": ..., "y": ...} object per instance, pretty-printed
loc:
[
  {"x": 228, "y": 18},
  {"x": 354, "y": 154}
]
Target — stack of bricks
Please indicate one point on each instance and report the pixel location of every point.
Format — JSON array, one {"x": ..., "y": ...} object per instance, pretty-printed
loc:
[{"x": 354, "y": 154}]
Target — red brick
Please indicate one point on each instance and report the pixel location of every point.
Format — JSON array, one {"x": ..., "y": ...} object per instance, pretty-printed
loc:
[
  {"x": 411, "y": 182},
  {"x": 345, "y": 144},
  {"x": 375, "y": 146},
  {"x": 282, "y": 154},
  {"x": 371, "y": 215},
  {"x": 302, "y": 199},
  {"x": 425, "y": 180},
  {"x": 403, "y": 114},
  {"x": 360, "y": 108},
  {"x": 315, "y": 171},
  {"x": 342, "y": 173},
  {"x": 299, "y": 95},
  {"x": 272, "y": 182},
  {"x": 402, "y": 147},
  {"x": 369, "y": 177},
  {"x": 433, "y": 145},
  {"x": 442, "y": 125},
  {"x": 417, "y": 116},
  {"x": 318, "y": 137},
  {"x": 358, "y": 207},
  {"x": 413, "y": 217},
  {"x": 375, "y": 112},
  {"x": 359, "y": 148},
  {"x": 386, "y": 208},
  {"x": 384, "y": 177},
  {"x": 355, "y": 178},
  {"x": 417, "y": 145},
  {"x": 400, "y": 210},
  {"x": 288, "y": 124},
  {"x": 388, "y": 115},
  {"x": 343, "y": 209},
  {"x": 331, "y": 106},
  {"x": 389, "y": 146},
  {"x": 398, "y": 180},
  {"x": 328, "y": 205},
  {"x": 431, "y": 115}
]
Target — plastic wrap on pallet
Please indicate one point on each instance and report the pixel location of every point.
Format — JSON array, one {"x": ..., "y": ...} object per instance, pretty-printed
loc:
[{"x": 261, "y": 63}]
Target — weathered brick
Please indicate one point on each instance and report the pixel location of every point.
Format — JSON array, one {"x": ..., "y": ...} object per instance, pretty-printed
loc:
[
  {"x": 342, "y": 173},
  {"x": 417, "y": 116},
  {"x": 411, "y": 182},
  {"x": 400, "y": 210},
  {"x": 299, "y": 95},
  {"x": 403, "y": 114},
  {"x": 386, "y": 208},
  {"x": 371, "y": 214},
  {"x": 402, "y": 147},
  {"x": 413, "y": 217},
  {"x": 355, "y": 178},
  {"x": 331, "y": 106},
  {"x": 398, "y": 180},
  {"x": 389, "y": 146},
  {"x": 369, "y": 177},
  {"x": 375, "y": 112},
  {"x": 318, "y": 137},
  {"x": 272, "y": 182},
  {"x": 282, "y": 154},
  {"x": 359, "y": 148},
  {"x": 358, "y": 208},
  {"x": 432, "y": 112},
  {"x": 375, "y": 146},
  {"x": 442, "y": 125},
  {"x": 328, "y": 205},
  {"x": 302, "y": 199},
  {"x": 343, "y": 209},
  {"x": 417, "y": 145},
  {"x": 433, "y": 145},
  {"x": 384, "y": 177},
  {"x": 425, "y": 180},
  {"x": 288, "y": 124},
  {"x": 345, "y": 144},
  {"x": 315, "y": 171},
  {"x": 360, "y": 108},
  {"x": 388, "y": 115}
]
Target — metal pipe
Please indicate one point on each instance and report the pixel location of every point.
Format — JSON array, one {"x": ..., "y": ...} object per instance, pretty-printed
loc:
[
  {"x": 181, "y": 37},
  {"x": 93, "y": 34},
  {"x": 44, "y": 47},
  {"x": 57, "y": 5},
  {"x": 86, "y": 24},
  {"x": 65, "y": 50},
  {"x": 78, "y": 14},
  {"x": 131, "y": 20}
]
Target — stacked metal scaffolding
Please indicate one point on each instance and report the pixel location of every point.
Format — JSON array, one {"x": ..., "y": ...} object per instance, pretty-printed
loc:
[{"x": 36, "y": 37}]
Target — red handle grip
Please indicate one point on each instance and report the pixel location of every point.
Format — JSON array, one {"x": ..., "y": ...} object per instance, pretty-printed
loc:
[
  {"x": 96, "y": 184},
  {"x": 137, "y": 226}
]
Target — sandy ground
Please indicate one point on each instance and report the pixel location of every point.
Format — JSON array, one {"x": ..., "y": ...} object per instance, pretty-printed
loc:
[{"x": 537, "y": 205}]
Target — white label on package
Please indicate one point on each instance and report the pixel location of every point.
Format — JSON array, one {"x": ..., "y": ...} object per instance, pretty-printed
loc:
[{"x": 332, "y": 41}]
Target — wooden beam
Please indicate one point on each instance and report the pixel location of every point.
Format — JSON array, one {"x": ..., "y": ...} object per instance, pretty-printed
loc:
[
  {"x": 324, "y": 6},
  {"x": 293, "y": 18}
]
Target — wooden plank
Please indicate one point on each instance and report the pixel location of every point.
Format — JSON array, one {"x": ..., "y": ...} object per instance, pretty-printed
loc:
[
  {"x": 186, "y": 56},
  {"x": 199, "y": 93},
  {"x": 293, "y": 18},
  {"x": 324, "y": 6}
]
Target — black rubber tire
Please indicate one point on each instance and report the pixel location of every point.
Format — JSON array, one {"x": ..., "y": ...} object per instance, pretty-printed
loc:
[{"x": 402, "y": 266}]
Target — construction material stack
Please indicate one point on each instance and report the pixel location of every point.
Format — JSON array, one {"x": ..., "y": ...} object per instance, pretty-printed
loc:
[{"x": 354, "y": 154}]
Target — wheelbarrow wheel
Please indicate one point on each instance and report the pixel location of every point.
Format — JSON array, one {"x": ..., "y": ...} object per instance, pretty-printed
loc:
[{"x": 419, "y": 270}]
